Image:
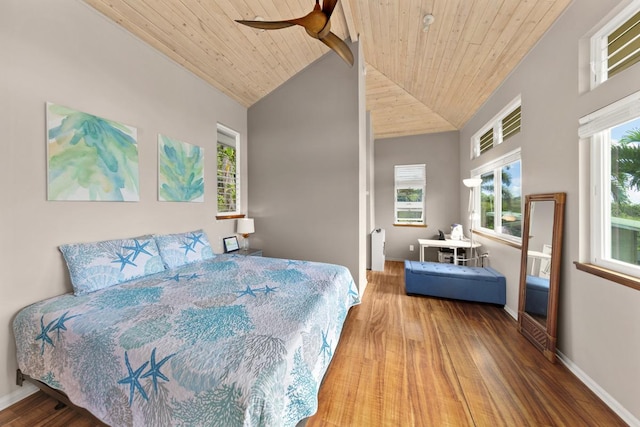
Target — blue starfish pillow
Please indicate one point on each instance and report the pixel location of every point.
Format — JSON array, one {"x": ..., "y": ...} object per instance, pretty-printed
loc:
[
  {"x": 98, "y": 265},
  {"x": 184, "y": 248}
]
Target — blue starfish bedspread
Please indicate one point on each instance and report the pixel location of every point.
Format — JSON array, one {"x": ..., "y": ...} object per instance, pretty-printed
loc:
[{"x": 231, "y": 341}]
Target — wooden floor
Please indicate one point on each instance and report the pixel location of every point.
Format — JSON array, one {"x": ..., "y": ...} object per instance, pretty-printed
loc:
[{"x": 418, "y": 361}]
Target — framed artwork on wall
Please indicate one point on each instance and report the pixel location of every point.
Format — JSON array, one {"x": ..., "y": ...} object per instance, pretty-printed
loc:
[
  {"x": 180, "y": 171},
  {"x": 90, "y": 158}
]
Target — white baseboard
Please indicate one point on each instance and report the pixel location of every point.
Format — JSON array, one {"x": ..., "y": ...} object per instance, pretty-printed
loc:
[
  {"x": 511, "y": 312},
  {"x": 17, "y": 395},
  {"x": 363, "y": 288},
  {"x": 612, "y": 403}
]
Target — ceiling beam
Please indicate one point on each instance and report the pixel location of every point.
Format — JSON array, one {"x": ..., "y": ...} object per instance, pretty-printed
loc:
[{"x": 348, "y": 17}]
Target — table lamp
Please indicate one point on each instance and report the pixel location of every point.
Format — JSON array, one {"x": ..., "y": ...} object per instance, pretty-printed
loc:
[{"x": 245, "y": 227}]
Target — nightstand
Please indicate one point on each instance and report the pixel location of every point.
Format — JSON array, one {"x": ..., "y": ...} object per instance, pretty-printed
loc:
[{"x": 250, "y": 252}]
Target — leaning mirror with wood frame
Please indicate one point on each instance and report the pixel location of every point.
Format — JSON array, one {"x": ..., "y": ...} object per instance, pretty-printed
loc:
[{"x": 540, "y": 270}]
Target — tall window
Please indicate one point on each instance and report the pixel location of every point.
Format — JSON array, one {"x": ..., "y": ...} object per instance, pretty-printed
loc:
[
  {"x": 410, "y": 184},
  {"x": 502, "y": 127},
  {"x": 616, "y": 46},
  {"x": 499, "y": 202},
  {"x": 228, "y": 171},
  {"x": 614, "y": 133}
]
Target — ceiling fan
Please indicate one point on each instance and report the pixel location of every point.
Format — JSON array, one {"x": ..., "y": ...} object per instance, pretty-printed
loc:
[{"x": 316, "y": 23}]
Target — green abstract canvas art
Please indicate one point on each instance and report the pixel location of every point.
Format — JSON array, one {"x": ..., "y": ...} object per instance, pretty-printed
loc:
[
  {"x": 90, "y": 158},
  {"x": 180, "y": 171}
]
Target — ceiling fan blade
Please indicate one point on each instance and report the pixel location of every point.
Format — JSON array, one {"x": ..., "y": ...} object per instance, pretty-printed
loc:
[
  {"x": 267, "y": 25},
  {"x": 328, "y": 6},
  {"x": 314, "y": 22},
  {"x": 340, "y": 47}
]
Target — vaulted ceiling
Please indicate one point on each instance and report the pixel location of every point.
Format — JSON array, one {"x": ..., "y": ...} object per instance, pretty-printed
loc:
[{"x": 416, "y": 81}]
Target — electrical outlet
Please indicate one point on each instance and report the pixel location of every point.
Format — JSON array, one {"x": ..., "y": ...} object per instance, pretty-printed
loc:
[{"x": 411, "y": 248}]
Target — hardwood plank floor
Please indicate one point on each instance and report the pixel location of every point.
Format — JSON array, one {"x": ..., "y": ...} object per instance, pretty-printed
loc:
[{"x": 418, "y": 361}]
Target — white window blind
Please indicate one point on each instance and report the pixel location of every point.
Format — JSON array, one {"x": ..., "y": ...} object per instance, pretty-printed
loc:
[
  {"x": 410, "y": 175},
  {"x": 619, "y": 112}
]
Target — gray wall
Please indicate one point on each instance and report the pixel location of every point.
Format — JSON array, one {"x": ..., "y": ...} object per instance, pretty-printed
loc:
[
  {"x": 599, "y": 321},
  {"x": 65, "y": 52},
  {"x": 371, "y": 192},
  {"x": 440, "y": 152},
  {"x": 307, "y": 166}
]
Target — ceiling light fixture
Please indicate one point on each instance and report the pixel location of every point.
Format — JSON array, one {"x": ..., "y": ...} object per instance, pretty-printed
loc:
[
  {"x": 427, "y": 21},
  {"x": 261, "y": 19}
]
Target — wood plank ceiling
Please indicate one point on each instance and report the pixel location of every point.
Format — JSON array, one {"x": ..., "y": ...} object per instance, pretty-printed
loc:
[{"x": 417, "y": 81}]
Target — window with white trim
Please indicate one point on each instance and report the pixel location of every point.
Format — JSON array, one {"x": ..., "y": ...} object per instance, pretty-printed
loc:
[
  {"x": 497, "y": 207},
  {"x": 614, "y": 135},
  {"x": 616, "y": 46},
  {"x": 409, "y": 199},
  {"x": 228, "y": 175},
  {"x": 500, "y": 128}
]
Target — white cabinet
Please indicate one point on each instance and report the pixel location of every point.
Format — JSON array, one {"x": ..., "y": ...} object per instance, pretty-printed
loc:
[{"x": 377, "y": 250}]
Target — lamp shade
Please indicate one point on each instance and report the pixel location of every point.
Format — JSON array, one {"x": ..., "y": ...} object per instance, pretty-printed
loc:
[
  {"x": 245, "y": 226},
  {"x": 472, "y": 182}
]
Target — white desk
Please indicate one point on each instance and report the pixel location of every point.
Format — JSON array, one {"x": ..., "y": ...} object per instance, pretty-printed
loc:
[{"x": 447, "y": 243}]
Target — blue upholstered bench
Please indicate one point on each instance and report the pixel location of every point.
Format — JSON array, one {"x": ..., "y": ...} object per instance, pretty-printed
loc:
[
  {"x": 481, "y": 284},
  {"x": 537, "y": 295}
]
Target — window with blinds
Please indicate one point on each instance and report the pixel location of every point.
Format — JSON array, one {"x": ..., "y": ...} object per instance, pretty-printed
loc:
[
  {"x": 499, "y": 202},
  {"x": 228, "y": 190},
  {"x": 616, "y": 46},
  {"x": 511, "y": 124},
  {"x": 503, "y": 126},
  {"x": 486, "y": 141},
  {"x": 410, "y": 186},
  {"x": 623, "y": 46},
  {"x": 613, "y": 133}
]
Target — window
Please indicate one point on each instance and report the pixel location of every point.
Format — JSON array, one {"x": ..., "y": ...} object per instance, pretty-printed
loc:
[
  {"x": 498, "y": 204},
  {"x": 616, "y": 46},
  {"x": 410, "y": 183},
  {"x": 614, "y": 135},
  {"x": 228, "y": 171},
  {"x": 502, "y": 127}
]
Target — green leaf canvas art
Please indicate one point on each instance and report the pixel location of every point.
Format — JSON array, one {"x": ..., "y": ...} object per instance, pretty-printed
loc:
[
  {"x": 90, "y": 158},
  {"x": 180, "y": 171}
]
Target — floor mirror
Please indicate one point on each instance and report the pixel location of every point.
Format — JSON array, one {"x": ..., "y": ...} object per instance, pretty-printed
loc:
[{"x": 540, "y": 270}]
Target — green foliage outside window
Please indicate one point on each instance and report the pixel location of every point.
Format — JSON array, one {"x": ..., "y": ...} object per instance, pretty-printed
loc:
[
  {"x": 625, "y": 175},
  {"x": 227, "y": 200},
  {"x": 625, "y": 213},
  {"x": 409, "y": 195},
  {"x": 511, "y": 215}
]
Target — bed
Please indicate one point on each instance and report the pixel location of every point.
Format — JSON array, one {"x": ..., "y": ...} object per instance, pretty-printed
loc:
[{"x": 224, "y": 341}]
